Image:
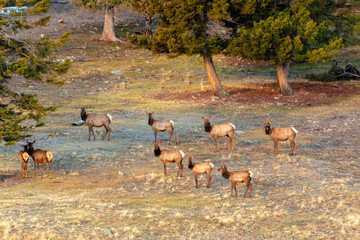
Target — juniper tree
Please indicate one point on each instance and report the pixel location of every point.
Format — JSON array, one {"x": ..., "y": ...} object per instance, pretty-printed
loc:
[
  {"x": 184, "y": 27},
  {"x": 29, "y": 59},
  {"x": 108, "y": 6},
  {"x": 286, "y": 32},
  {"x": 148, "y": 9}
]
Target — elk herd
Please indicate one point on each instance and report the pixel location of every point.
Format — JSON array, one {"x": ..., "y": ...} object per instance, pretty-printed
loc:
[{"x": 169, "y": 156}]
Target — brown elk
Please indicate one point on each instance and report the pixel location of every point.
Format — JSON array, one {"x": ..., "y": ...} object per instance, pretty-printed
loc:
[
  {"x": 162, "y": 126},
  {"x": 237, "y": 176},
  {"x": 39, "y": 156},
  {"x": 170, "y": 156},
  {"x": 222, "y": 130},
  {"x": 24, "y": 157},
  {"x": 281, "y": 134},
  {"x": 97, "y": 120},
  {"x": 200, "y": 168}
]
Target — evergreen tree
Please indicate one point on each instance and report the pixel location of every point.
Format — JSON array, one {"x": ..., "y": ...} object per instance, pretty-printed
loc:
[
  {"x": 146, "y": 8},
  {"x": 184, "y": 27},
  {"x": 108, "y": 33},
  {"x": 28, "y": 59},
  {"x": 288, "y": 31}
]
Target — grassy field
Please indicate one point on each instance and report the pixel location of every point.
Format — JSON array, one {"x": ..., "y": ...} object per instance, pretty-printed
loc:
[{"x": 117, "y": 190}]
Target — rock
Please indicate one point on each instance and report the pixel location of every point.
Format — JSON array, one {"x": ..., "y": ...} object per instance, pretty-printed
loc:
[{"x": 117, "y": 72}]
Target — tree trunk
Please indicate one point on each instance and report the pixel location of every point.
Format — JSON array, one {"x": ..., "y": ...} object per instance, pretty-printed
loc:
[
  {"x": 282, "y": 73},
  {"x": 108, "y": 33},
  {"x": 213, "y": 78}
]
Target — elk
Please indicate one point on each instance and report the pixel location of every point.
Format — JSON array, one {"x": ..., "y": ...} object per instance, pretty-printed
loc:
[
  {"x": 281, "y": 134},
  {"x": 170, "y": 156},
  {"x": 237, "y": 176},
  {"x": 200, "y": 168},
  {"x": 97, "y": 120},
  {"x": 39, "y": 156},
  {"x": 162, "y": 126},
  {"x": 24, "y": 157},
  {"x": 222, "y": 130}
]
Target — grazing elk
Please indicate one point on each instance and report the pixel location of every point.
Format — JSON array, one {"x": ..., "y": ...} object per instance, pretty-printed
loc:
[
  {"x": 235, "y": 177},
  {"x": 170, "y": 156},
  {"x": 200, "y": 168},
  {"x": 281, "y": 134},
  {"x": 97, "y": 120},
  {"x": 222, "y": 130},
  {"x": 24, "y": 157},
  {"x": 162, "y": 126},
  {"x": 39, "y": 156}
]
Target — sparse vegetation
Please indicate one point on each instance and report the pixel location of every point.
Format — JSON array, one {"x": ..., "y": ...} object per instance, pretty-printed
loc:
[{"x": 117, "y": 189}]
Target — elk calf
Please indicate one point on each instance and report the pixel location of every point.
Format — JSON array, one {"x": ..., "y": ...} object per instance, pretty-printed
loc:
[
  {"x": 281, "y": 134},
  {"x": 237, "y": 176},
  {"x": 24, "y": 157},
  {"x": 200, "y": 168},
  {"x": 162, "y": 126},
  {"x": 170, "y": 156},
  {"x": 222, "y": 130},
  {"x": 96, "y": 120},
  {"x": 39, "y": 156}
]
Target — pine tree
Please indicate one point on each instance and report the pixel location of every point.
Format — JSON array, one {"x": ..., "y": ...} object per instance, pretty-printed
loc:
[
  {"x": 282, "y": 32},
  {"x": 108, "y": 6},
  {"x": 184, "y": 27},
  {"x": 30, "y": 60}
]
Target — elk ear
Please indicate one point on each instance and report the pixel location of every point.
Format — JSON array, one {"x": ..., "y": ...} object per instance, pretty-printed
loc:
[
  {"x": 263, "y": 121},
  {"x": 270, "y": 120},
  {"x": 210, "y": 117},
  {"x": 202, "y": 117}
]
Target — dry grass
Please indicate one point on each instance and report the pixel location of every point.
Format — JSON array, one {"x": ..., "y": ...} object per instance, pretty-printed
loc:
[{"x": 116, "y": 189}]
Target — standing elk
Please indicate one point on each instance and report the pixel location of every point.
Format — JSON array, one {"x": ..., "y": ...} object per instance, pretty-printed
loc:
[
  {"x": 24, "y": 157},
  {"x": 97, "y": 120},
  {"x": 200, "y": 168},
  {"x": 237, "y": 176},
  {"x": 281, "y": 134},
  {"x": 170, "y": 156},
  {"x": 222, "y": 130},
  {"x": 162, "y": 126},
  {"x": 39, "y": 156}
]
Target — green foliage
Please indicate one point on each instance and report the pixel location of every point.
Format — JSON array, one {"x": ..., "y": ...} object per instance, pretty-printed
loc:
[
  {"x": 29, "y": 59},
  {"x": 289, "y": 35},
  {"x": 183, "y": 27},
  {"x": 95, "y": 4}
]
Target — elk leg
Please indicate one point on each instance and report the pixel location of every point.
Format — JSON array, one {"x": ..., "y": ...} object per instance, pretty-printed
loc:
[
  {"x": 292, "y": 147},
  {"x": 106, "y": 132},
  {"x": 181, "y": 168},
  {"x": 215, "y": 144},
  {"x": 165, "y": 169},
  {"x": 109, "y": 138},
  {"x": 34, "y": 168},
  {"x": 235, "y": 189},
  {"x": 232, "y": 186},
  {"x": 44, "y": 165},
  {"x": 177, "y": 142},
  {"x": 171, "y": 136},
  {"x": 26, "y": 170},
  {"x": 247, "y": 187},
  {"x": 92, "y": 130},
  {"x": 196, "y": 180},
  {"x": 275, "y": 147},
  {"x": 38, "y": 164},
  {"x": 89, "y": 134},
  {"x": 209, "y": 180},
  {"x": 50, "y": 170},
  {"x": 250, "y": 188},
  {"x": 155, "y": 134}
]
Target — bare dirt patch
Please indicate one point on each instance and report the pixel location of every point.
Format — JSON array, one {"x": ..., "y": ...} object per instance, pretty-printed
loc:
[{"x": 304, "y": 94}]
